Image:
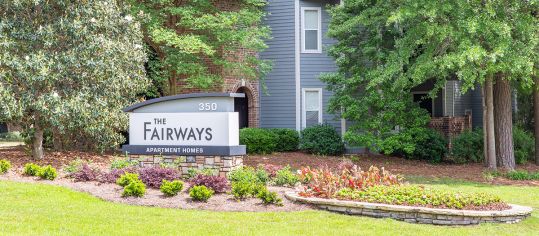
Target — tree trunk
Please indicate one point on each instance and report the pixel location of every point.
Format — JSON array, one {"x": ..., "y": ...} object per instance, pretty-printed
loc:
[
  {"x": 536, "y": 118},
  {"x": 488, "y": 125},
  {"x": 37, "y": 151},
  {"x": 503, "y": 122}
]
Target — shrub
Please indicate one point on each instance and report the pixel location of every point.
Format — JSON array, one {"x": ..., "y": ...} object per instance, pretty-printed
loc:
[
  {"x": 321, "y": 140},
  {"x": 468, "y": 147},
  {"x": 11, "y": 137},
  {"x": 193, "y": 172},
  {"x": 417, "y": 143},
  {"x": 121, "y": 163},
  {"x": 47, "y": 172},
  {"x": 269, "y": 197},
  {"x": 73, "y": 166},
  {"x": 243, "y": 189},
  {"x": 127, "y": 178},
  {"x": 135, "y": 188},
  {"x": 522, "y": 175},
  {"x": 154, "y": 176},
  {"x": 325, "y": 183},
  {"x": 287, "y": 140},
  {"x": 285, "y": 177},
  {"x": 246, "y": 174},
  {"x": 171, "y": 188},
  {"x": 270, "y": 169},
  {"x": 31, "y": 169},
  {"x": 216, "y": 183},
  {"x": 419, "y": 196},
  {"x": 524, "y": 144},
  {"x": 4, "y": 166},
  {"x": 86, "y": 173},
  {"x": 200, "y": 193},
  {"x": 113, "y": 175},
  {"x": 261, "y": 175},
  {"x": 258, "y": 141}
]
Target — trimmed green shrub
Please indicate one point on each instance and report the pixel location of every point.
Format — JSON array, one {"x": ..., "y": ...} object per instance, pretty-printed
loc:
[
  {"x": 258, "y": 141},
  {"x": 247, "y": 174},
  {"x": 321, "y": 140},
  {"x": 269, "y": 197},
  {"x": 135, "y": 188},
  {"x": 4, "y": 166},
  {"x": 171, "y": 188},
  {"x": 31, "y": 169},
  {"x": 47, "y": 172},
  {"x": 200, "y": 193},
  {"x": 243, "y": 189},
  {"x": 416, "y": 143},
  {"x": 126, "y": 179},
  {"x": 524, "y": 144},
  {"x": 11, "y": 137},
  {"x": 285, "y": 177},
  {"x": 468, "y": 147},
  {"x": 287, "y": 139}
]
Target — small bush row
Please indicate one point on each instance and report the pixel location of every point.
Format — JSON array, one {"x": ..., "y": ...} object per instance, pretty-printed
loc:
[
  {"x": 318, "y": 139},
  {"x": 44, "y": 172}
]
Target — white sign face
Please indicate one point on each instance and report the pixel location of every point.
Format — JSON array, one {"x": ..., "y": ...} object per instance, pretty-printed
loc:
[{"x": 184, "y": 129}]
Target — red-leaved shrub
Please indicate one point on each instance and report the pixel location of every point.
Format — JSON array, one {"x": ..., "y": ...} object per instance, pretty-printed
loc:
[
  {"x": 154, "y": 176},
  {"x": 323, "y": 182},
  {"x": 85, "y": 174},
  {"x": 217, "y": 183},
  {"x": 270, "y": 169}
]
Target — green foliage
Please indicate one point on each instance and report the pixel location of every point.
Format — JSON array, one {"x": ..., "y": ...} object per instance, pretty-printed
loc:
[
  {"x": 321, "y": 140},
  {"x": 193, "y": 172},
  {"x": 258, "y": 140},
  {"x": 285, "y": 177},
  {"x": 171, "y": 188},
  {"x": 73, "y": 166},
  {"x": 135, "y": 188},
  {"x": 522, "y": 175},
  {"x": 524, "y": 145},
  {"x": 120, "y": 163},
  {"x": 385, "y": 49},
  {"x": 70, "y": 69},
  {"x": 47, "y": 172},
  {"x": 200, "y": 193},
  {"x": 31, "y": 169},
  {"x": 419, "y": 196},
  {"x": 244, "y": 189},
  {"x": 468, "y": 147},
  {"x": 11, "y": 137},
  {"x": 127, "y": 179},
  {"x": 191, "y": 37},
  {"x": 248, "y": 174},
  {"x": 287, "y": 140},
  {"x": 4, "y": 166},
  {"x": 416, "y": 143},
  {"x": 269, "y": 197}
]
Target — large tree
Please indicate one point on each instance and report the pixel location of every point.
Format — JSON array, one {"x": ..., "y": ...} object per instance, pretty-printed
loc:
[
  {"x": 69, "y": 68},
  {"x": 199, "y": 43},
  {"x": 385, "y": 48}
]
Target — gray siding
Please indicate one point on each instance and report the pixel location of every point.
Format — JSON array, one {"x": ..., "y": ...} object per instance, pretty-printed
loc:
[
  {"x": 313, "y": 64},
  {"x": 458, "y": 103},
  {"x": 278, "y": 104}
]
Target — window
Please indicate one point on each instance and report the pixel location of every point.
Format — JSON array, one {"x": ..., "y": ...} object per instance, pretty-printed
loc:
[
  {"x": 311, "y": 31},
  {"x": 312, "y": 107}
]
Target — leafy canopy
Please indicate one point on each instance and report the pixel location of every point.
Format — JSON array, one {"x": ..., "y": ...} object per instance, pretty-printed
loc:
[
  {"x": 70, "y": 67},
  {"x": 386, "y": 48}
]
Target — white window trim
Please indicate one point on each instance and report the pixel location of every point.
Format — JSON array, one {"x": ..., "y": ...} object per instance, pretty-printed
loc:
[
  {"x": 319, "y": 10},
  {"x": 304, "y": 111}
]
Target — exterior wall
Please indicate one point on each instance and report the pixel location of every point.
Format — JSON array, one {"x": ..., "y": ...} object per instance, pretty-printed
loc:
[
  {"x": 459, "y": 104},
  {"x": 278, "y": 102}
]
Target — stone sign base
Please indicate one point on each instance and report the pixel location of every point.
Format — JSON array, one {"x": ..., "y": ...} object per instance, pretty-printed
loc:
[{"x": 221, "y": 164}]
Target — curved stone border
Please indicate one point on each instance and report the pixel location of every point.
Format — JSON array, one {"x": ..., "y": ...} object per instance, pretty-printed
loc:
[{"x": 414, "y": 214}]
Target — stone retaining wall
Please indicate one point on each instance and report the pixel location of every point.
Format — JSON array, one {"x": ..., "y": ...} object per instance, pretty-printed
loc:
[
  {"x": 412, "y": 214},
  {"x": 221, "y": 164}
]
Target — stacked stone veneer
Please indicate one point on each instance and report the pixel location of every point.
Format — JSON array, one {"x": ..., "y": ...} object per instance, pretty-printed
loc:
[
  {"x": 412, "y": 214},
  {"x": 221, "y": 164}
]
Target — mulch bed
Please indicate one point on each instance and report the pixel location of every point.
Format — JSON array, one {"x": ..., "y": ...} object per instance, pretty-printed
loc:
[{"x": 396, "y": 165}]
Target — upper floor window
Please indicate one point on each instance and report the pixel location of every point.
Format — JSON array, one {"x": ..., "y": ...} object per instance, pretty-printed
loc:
[{"x": 311, "y": 29}]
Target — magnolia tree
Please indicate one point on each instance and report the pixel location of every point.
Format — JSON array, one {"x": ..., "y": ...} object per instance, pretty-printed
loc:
[
  {"x": 69, "y": 68},
  {"x": 386, "y": 48}
]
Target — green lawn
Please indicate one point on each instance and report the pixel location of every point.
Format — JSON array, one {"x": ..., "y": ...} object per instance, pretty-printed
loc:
[{"x": 36, "y": 209}]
